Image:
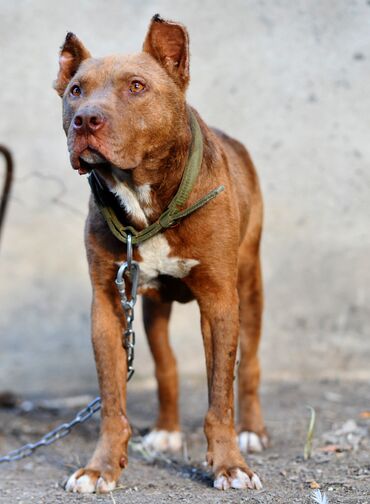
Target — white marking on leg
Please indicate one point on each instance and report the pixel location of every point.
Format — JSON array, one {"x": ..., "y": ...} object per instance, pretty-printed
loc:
[
  {"x": 251, "y": 442},
  {"x": 241, "y": 480},
  {"x": 103, "y": 486},
  {"x": 162, "y": 440},
  {"x": 256, "y": 482},
  {"x": 221, "y": 483},
  {"x": 71, "y": 483},
  {"x": 238, "y": 480},
  {"x": 84, "y": 484}
]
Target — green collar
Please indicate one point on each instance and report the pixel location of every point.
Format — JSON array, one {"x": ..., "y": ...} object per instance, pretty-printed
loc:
[{"x": 174, "y": 210}]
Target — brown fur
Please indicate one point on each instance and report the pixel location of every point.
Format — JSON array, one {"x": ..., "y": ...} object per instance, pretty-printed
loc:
[{"x": 147, "y": 136}]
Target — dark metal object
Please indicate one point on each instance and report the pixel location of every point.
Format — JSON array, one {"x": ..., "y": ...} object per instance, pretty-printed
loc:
[
  {"x": 52, "y": 436},
  {"x": 7, "y": 183}
]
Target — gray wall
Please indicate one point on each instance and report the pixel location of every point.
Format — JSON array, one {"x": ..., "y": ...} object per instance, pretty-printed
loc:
[{"x": 288, "y": 78}]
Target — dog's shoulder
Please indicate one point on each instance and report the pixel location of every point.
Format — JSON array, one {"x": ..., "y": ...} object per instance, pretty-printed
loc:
[
  {"x": 230, "y": 143},
  {"x": 239, "y": 160}
]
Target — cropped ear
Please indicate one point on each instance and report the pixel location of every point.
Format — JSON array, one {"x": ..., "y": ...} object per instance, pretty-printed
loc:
[
  {"x": 72, "y": 53},
  {"x": 168, "y": 43}
]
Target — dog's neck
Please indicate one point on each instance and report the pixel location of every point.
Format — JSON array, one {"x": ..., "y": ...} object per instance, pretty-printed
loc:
[{"x": 145, "y": 191}]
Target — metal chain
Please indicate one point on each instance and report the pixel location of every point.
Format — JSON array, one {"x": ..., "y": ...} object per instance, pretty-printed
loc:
[
  {"x": 129, "y": 269},
  {"x": 60, "y": 432}
]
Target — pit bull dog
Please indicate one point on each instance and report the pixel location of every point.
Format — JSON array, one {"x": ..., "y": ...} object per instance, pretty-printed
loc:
[{"x": 127, "y": 120}]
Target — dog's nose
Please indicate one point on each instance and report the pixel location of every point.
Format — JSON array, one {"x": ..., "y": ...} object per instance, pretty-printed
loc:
[{"x": 88, "y": 120}]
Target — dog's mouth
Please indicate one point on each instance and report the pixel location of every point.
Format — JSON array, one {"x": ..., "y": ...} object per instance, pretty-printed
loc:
[{"x": 91, "y": 159}]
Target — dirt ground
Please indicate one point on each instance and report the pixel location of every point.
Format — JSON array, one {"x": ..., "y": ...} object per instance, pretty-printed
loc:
[{"x": 340, "y": 463}]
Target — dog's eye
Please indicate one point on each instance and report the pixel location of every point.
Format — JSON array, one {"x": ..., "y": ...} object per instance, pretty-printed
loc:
[
  {"x": 136, "y": 86},
  {"x": 75, "y": 90}
]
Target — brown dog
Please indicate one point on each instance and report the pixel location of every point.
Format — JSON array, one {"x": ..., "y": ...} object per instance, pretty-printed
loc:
[{"x": 126, "y": 117}]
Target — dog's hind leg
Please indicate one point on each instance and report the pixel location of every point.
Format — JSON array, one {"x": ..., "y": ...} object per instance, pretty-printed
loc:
[
  {"x": 166, "y": 435},
  {"x": 252, "y": 432}
]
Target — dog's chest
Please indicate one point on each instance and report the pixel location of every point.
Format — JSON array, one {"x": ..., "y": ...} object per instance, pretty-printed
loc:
[
  {"x": 156, "y": 257},
  {"x": 157, "y": 260}
]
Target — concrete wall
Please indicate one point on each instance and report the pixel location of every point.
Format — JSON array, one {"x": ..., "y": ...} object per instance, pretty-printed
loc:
[{"x": 288, "y": 78}]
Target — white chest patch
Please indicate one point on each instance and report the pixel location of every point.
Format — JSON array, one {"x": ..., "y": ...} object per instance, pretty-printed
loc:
[
  {"x": 136, "y": 202},
  {"x": 157, "y": 261},
  {"x": 155, "y": 252},
  {"x": 143, "y": 194}
]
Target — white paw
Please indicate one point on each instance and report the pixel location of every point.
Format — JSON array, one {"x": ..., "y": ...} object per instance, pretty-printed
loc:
[
  {"x": 103, "y": 486},
  {"x": 162, "y": 440},
  {"x": 239, "y": 480},
  {"x": 251, "y": 442},
  {"x": 88, "y": 484},
  {"x": 222, "y": 483},
  {"x": 256, "y": 482}
]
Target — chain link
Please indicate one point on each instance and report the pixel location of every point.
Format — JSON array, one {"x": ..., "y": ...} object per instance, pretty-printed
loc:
[
  {"x": 60, "y": 432},
  {"x": 128, "y": 270}
]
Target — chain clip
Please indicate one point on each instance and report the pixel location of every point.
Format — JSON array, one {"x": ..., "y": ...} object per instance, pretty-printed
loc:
[{"x": 127, "y": 282}]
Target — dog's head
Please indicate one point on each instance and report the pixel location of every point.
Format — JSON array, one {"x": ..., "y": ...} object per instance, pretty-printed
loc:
[{"x": 119, "y": 110}]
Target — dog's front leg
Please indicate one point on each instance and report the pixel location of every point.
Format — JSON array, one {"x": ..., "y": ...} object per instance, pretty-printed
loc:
[
  {"x": 110, "y": 456},
  {"x": 220, "y": 326}
]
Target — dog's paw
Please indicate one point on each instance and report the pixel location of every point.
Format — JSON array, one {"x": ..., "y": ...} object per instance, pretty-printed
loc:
[
  {"x": 88, "y": 481},
  {"x": 252, "y": 442},
  {"x": 238, "y": 479},
  {"x": 162, "y": 440}
]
